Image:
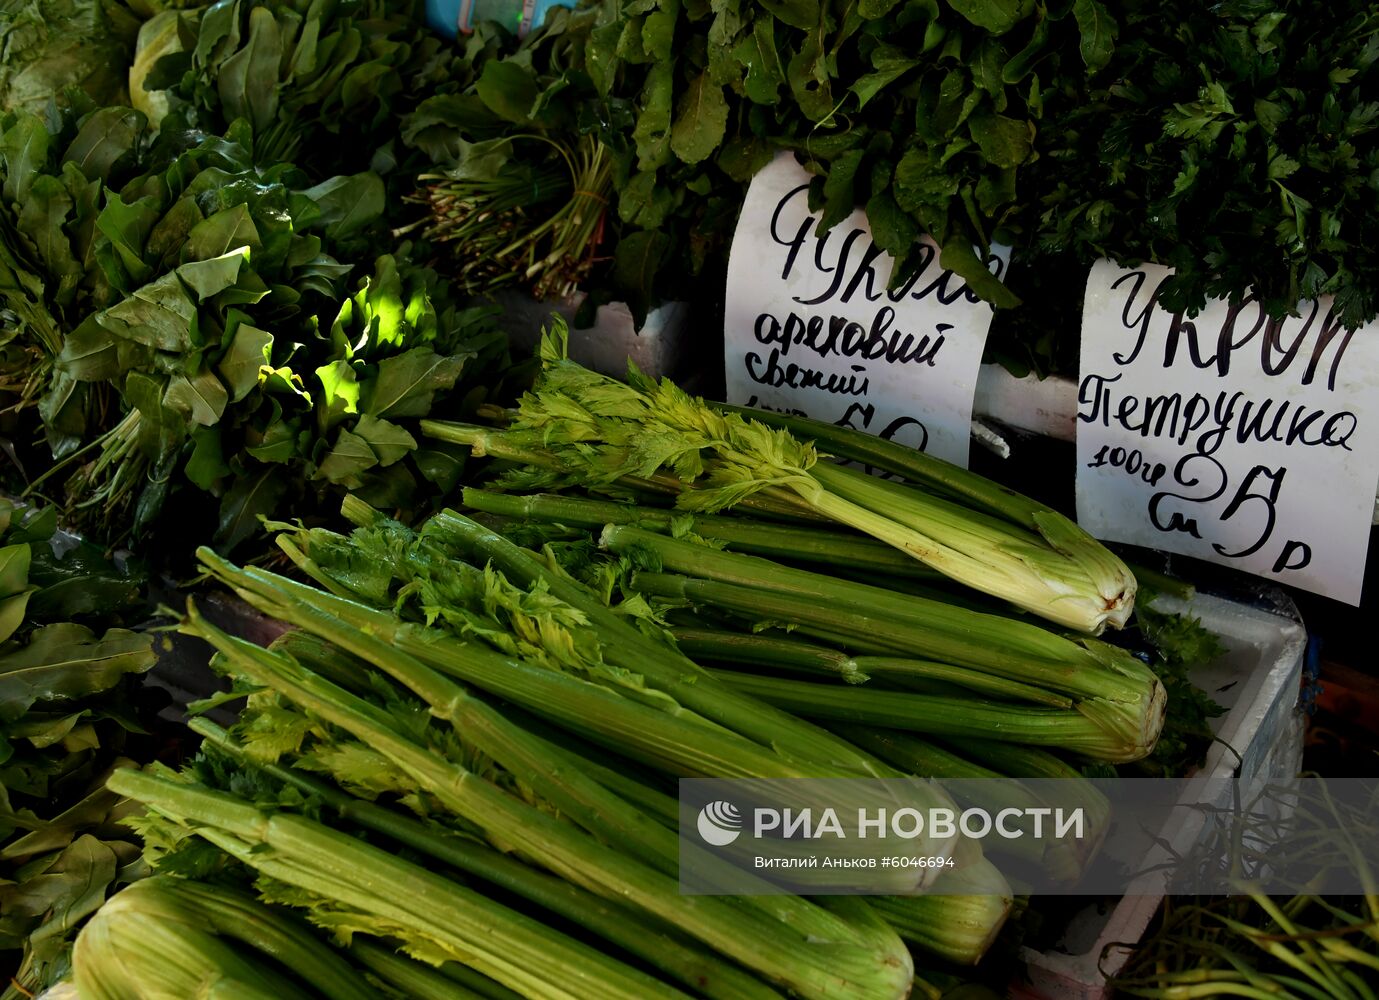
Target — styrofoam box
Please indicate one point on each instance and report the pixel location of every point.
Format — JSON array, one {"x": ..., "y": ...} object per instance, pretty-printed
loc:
[
  {"x": 1259, "y": 740},
  {"x": 658, "y": 347}
]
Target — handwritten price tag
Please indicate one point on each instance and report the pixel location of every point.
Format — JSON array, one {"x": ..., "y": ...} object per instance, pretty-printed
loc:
[
  {"x": 812, "y": 328},
  {"x": 1231, "y": 437}
]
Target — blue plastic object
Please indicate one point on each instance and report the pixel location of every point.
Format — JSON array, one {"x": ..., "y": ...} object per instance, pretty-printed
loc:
[
  {"x": 455, "y": 17},
  {"x": 443, "y": 16}
]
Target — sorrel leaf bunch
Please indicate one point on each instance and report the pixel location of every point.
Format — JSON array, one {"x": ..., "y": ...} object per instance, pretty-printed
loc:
[
  {"x": 188, "y": 322},
  {"x": 65, "y": 50},
  {"x": 70, "y": 709},
  {"x": 320, "y": 84}
]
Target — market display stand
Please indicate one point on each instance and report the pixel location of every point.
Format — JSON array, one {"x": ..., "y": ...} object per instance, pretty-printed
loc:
[{"x": 1257, "y": 680}]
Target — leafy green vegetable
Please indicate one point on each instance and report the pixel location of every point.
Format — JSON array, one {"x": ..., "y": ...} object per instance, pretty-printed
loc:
[
  {"x": 1234, "y": 142},
  {"x": 69, "y": 707},
  {"x": 217, "y": 344},
  {"x": 688, "y": 99},
  {"x": 50, "y": 46},
  {"x": 317, "y": 83},
  {"x": 1181, "y": 644}
]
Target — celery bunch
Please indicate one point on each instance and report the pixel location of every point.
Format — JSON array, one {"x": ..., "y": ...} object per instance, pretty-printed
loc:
[
  {"x": 167, "y": 938},
  {"x": 386, "y": 706},
  {"x": 579, "y": 428}
]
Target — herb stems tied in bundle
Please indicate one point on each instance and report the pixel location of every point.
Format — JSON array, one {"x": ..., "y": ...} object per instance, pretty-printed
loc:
[
  {"x": 534, "y": 226},
  {"x": 587, "y": 429}
]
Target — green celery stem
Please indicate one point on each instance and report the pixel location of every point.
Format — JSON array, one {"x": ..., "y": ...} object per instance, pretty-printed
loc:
[
  {"x": 733, "y": 648},
  {"x": 415, "y": 980},
  {"x": 925, "y": 628},
  {"x": 628, "y": 930},
  {"x": 677, "y": 675},
  {"x": 512, "y": 949},
  {"x": 763, "y": 538},
  {"x": 943, "y": 716},
  {"x": 565, "y": 851}
]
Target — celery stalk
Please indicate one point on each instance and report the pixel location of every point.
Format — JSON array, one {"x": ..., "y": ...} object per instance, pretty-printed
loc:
[
  {"x": 919, "y": 626},
  {"x": 529, "y": 449},
  {"x": 166, "y": 938},
  {"x": 508, "y": 947},
  {"x": 762, "y": 538},
  {"x": 681, "y": 678},
  {"x": 415, "y": 980},
  {"x": 234, "y": 915},
  {"x": 418, "y": 656},
  {"x": 958, "y": 928},
  {"x": 658, "y": 946},
  {"x": 1109, "y": 573},
  {"x": 861, "y": 962},
  {"x": 599, "y": 431},
  {"x": 1070, "y": 730},
  {"x": 1120, "y": 723},
  {"x": 732, "y": 648},
  {"x": 1064, "y": 859},
  {"x": 584, "y": 707},
  {"x": 126, "y": 955}
]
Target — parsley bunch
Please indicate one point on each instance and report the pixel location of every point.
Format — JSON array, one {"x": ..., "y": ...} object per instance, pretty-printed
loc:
[{"x": 1234, "y": 142}]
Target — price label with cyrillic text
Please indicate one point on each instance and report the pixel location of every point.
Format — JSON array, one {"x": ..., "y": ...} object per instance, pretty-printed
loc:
[
  {"x": 1230, "y": 436},
  {"x": 813, "y": 327}
]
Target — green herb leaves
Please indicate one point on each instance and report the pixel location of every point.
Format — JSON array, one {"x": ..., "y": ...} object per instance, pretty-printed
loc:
[
  {"x": 924, "y": 112},
  {"x": 216, "y": 344},
  {"x": 1236, "y": 146},
  {"x": 67, "y": 706},
  {"x": 700, "y": 120}
]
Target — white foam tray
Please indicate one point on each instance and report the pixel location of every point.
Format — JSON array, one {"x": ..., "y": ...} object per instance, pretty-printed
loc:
[
  {"x": 1257, "y": 679},
  {"x": 659, "y": 347}
]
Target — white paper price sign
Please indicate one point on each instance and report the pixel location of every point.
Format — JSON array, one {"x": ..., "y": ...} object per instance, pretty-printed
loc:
[
  {"x": 1231, "y": 437},
  {"x": 812, "y": 328}
]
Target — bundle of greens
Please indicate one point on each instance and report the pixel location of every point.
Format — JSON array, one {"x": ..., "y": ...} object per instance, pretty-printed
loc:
[
  {"x": 70, "y": 709},
  {"x": 1178, "y": 644},
  {"x": 974, "y": 673},
  {"x": 576, "y": 650},
  {"x": 385, "y": 717},
  {"x": 322, "y": 84},
  {"x": 1051, "y": 128},
  {"x": 579, "y": 428},
  {"x": 1172, "y": 643},
  {"x": 691, "y": 98},
  {"x": 509, "y": 221},
  {"x": 183, "y": 325},
  {"x": 1234, "y": 142},
  {"x": 65, "y": 50}
]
